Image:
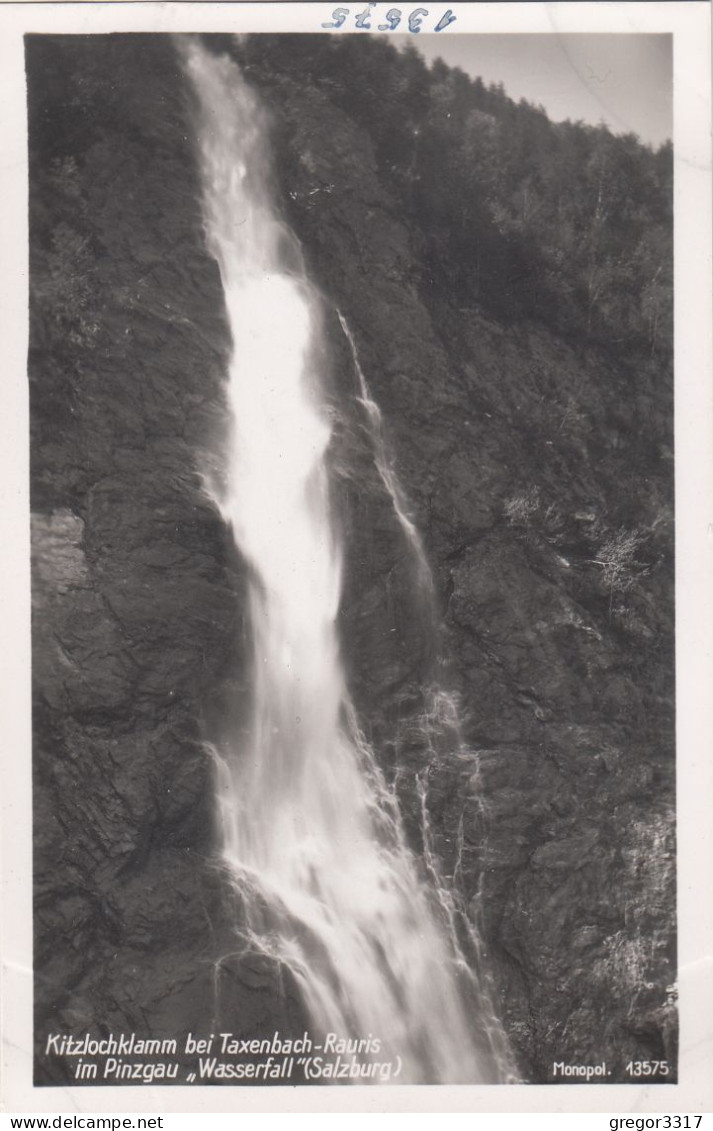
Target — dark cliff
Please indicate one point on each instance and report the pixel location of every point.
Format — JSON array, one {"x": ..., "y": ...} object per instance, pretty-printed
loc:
[{"x": 528, "y": 408}]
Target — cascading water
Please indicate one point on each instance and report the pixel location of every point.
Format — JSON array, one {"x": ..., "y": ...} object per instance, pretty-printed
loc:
[
  {"x": 311, "y": 836},
  {"x": 384, "y": 466}
]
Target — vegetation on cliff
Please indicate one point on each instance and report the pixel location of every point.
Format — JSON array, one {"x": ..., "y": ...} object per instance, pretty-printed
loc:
[{"x": 519, "y": 216}]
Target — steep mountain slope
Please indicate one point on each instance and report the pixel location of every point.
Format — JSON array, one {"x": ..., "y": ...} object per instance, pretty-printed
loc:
[{"x": 536, "y": 460}]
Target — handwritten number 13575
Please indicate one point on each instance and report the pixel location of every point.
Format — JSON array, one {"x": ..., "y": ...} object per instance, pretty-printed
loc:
[{"x": 393, "y": 18}]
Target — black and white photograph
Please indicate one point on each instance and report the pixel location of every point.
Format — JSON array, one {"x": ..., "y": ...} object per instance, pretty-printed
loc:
[{"x": 353, "y": 478}]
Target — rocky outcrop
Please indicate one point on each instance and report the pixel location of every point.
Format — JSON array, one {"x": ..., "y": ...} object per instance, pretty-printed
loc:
[{"x": 539, "y": 474}]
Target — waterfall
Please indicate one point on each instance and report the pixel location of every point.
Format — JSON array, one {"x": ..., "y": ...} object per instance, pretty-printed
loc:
[
  {"x": 384, "y": 465},
  {"x": 311, "y": 834}
]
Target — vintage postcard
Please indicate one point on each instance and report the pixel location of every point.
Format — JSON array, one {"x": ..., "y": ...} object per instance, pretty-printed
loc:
[{"x": 361, "y": 363}]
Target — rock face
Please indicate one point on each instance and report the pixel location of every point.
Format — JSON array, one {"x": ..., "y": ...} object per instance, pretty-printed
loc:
[
  {"x": 137, "y": 594},
  {"x": 538, "y": 472}
]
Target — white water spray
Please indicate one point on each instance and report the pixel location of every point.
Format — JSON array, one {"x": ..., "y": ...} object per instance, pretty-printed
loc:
[{"x": 311, "y": 835}]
